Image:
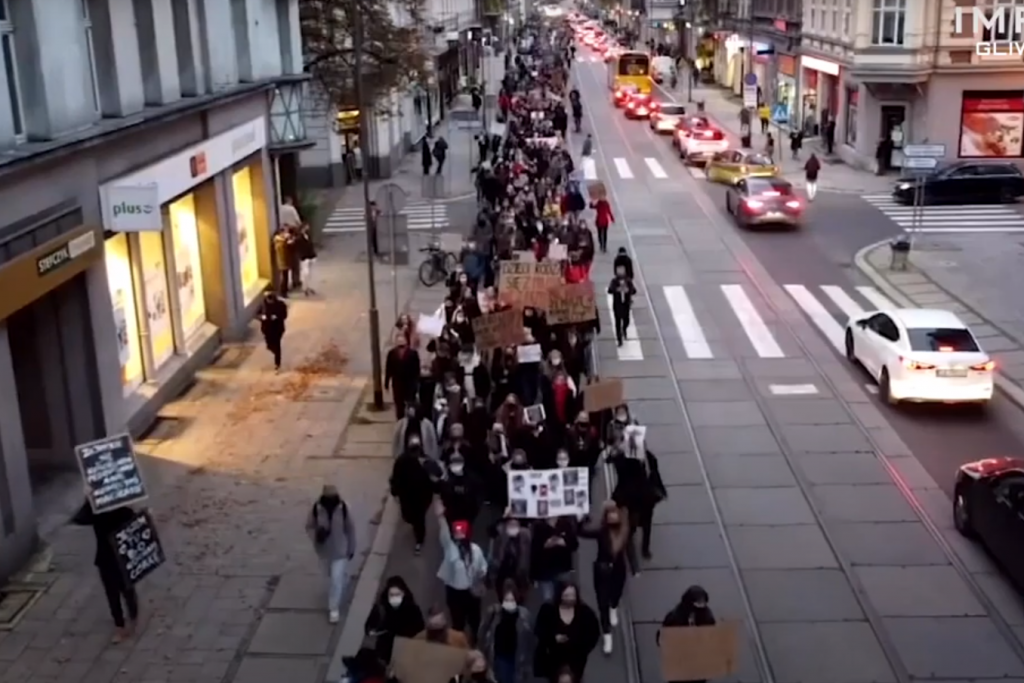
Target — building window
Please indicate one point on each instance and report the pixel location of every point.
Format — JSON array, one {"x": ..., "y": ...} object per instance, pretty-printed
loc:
[
  {"x": 850, "y": 134},
  {"x": 90, "y": 54},
  {"x": 888, "y": 21},
  {"x": 10, "y": 57},
  {"x": 814, "y": 17},
  {"x": 1005, "y": 30},
  {"x": 835, "y": 21},
  {"x": 846, "y": 22}
]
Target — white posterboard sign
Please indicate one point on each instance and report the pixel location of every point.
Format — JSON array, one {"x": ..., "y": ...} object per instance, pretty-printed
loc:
[
  {"x": 529, "y": 353},
  {"x": 636, "y": 436},
  {"x": 551, "y": 142},
  {"x": 540, "y": 494},
  {"x": 524, "y": 256},
  {"x": 430, "y": 325},
  {"x": 534, "y": 415},
  {"x": 558, "y": 252}
]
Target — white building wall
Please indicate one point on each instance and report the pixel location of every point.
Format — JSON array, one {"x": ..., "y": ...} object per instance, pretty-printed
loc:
[{"x": 158, "y": 52}]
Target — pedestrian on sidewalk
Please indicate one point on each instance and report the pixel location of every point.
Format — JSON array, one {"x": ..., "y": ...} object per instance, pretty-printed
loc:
[
  {"x": 463, "y": 572},
  {"x": 440, "y": 153},
  {"x": 588, "y": 145},
  {"x": 412, "y": 484},
  {"x": 426, "y": 154},
  {"x": 402, "y": 374},
  {"x": 639, "y": 487},
  {"x": 765, "y": 114},
  {"x": 330, "y": 527},
  {"x": 692, "y": 610},
  {"x": 506, "y": 637},
  {"x": 272, "y": 316},
  {"x": 307, "y": 259},
  {"x": 796, "y": 143},
  {"x": 616, "y": 556},
  {"x": 811, "y": 170},
  {"x": 769, "y": 146},
  {"x": 509, "y": 559},
  {"x": 566, "y": 632},
  {"x": 414, "y": 426},
  {"x": 120, "y": 593},
  {"x": 395, "y": 615},
  {"x": 622, "y": 291},
  {"x": 374, "y": 228},
  {"x": 829, "y": 134},
  {"x": 602, "y": 221},
  {"x": 285, "y": 260}
]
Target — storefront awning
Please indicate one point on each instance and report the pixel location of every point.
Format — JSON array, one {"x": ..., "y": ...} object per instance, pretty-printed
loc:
[{"x": 886, "y": 75}]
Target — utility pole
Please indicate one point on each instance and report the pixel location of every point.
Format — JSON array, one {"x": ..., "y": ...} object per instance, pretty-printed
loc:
[{"x": 364, "y": 137}]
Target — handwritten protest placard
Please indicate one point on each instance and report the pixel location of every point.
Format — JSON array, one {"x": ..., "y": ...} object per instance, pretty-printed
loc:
[
  {"x": 603, "y": 395},
  {"x": 571, "y": 304},
  {"x": 525, "y": 284},
  {"x": 422, "y": 661},
  {"x": 498, "y": 330},
  {"x": 597, "y": 191},
  {"x": 699, "y": 653},
  {"x": 524, "y": 256}
]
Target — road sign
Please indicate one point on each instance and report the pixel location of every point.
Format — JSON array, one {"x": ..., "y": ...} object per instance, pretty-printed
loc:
[
  {"x": 390, "y": 198},
  {"x": 921, "y": 151},
  {"x": 920, "y": 163},
  {"x": 750, "y": 79}
]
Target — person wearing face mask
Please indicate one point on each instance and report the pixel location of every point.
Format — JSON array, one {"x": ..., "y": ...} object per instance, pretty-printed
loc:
[
  {"x": 566, "y": 631},
  {"x": 455, "y": 444},
  {"x": 506, "y": 638},
  {"x": 475, "y": 671},
  {"x": 454, "y": 395},
  {"x": 401, "y": 374},
  {"x": 510, "y": 556},
  {"x": 410, "y": 427},
  {"x": 553, "y": 550},
  {"x": 615, "y": 557},
  {"x": 395, "y": 615},
  {"x": 638, "y": 488},
  {"x": 413, "y": 487},
  {"x": 622, "y": 291},
  {"x": 463, "y": 328},
  {"x": 584, "y": 443},
  {"x": 617, "y": 427},
  {"x": 692, "y": 610},
  {"x": 461, "y": 491},
  {"x": 623, "y": 261},
  {"x": 438, "y": 631},
  {"x": 560, "y": 396},
  {"x": 463, "y": 572},
  {"x": 334, "y": 538}
]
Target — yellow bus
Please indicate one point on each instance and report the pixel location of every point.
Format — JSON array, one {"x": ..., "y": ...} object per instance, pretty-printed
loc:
[{"x": 630, "y": 68}]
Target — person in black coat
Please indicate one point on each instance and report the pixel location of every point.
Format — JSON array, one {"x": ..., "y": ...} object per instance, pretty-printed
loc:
[
  {"x": 566, "y": 631},
  {"x": 426, "y": 155},
  {"x": 413, "y": 486},
  {"x": 120, "y": 593},
  {"x": 692, "y": 610},
  {"x": 553, "y": 549},
  {"x": 272, "y": 315},
  {"x": 623, "y": 260},
  {"x": 401, "y": 374},
  {"x": 639, "y": 488},
  {"x": 395, "y": 615}
]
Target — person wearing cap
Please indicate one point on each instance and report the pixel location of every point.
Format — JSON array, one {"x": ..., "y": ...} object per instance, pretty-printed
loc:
[
  {"x": 463, "y": 572},
  {"x": 334, "y": 538}
]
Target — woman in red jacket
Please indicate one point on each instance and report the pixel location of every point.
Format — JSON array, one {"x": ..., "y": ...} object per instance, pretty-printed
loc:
[{"x": 603, "y": 219}]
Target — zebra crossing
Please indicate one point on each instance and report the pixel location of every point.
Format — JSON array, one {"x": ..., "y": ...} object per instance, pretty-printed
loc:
[
  {"x": 981, "y": 218},
  {"x": 828, "y": 307},
  {"x": 651, "y": 168},
  {"x": 420, "y": 215}
]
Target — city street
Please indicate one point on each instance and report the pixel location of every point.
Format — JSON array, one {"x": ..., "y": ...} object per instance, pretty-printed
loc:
[{"x": 810, "y": 511}]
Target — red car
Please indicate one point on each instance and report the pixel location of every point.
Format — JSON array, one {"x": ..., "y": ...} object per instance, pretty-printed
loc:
[
  {"x": 623, "y": 95},
  {"x": 763, "y": 201},
  {"x": 640, "y": 106}
]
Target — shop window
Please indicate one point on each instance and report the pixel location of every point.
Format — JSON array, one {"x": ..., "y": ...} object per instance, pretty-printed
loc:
[
  {"x": 245, "y": 225},
  {"x": 887, "y": 22},
  {"x": 157, "y": 305},
  {"x": 187, "y": 266},
  {"x": 126, "y": 322},
  {"x": 850, "y": 134}
]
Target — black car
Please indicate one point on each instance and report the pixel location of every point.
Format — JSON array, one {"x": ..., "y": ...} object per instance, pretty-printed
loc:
[
  {"x": 965, "y": 182},
  {"x": 988, "y": 505}
]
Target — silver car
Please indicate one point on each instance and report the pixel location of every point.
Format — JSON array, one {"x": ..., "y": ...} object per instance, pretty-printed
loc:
[{"x": 665, "y": 117}]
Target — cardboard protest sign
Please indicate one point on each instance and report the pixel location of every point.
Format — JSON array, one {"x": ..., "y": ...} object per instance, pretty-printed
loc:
[
  {"x": 699, "y": 653},
  {"x": 497, "y": 330},
  {"x": 523, "y": 256},
  {"x": 527, "y": 284},
  {"x": 597, "y": 190},
  {"x": 571, "y": 304},
  {"x": 530, "y": 353},
  {"x": 430, "y": 325},
  {"x": 603, "y": 395},
  {"x": 558, "y": 252},
  {"x": 421, "y": 661}
]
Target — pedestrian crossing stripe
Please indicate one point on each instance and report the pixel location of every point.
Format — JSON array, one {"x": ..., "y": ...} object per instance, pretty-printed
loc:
[
  {"x": 623, "y": 169},
  {"x": 988, "y": 218},
  {"x": 419, "y": 216},
  {"x": 828, "y": 307}
]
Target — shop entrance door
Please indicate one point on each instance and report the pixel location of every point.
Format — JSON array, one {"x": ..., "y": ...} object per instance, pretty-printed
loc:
[{"x": 893, "y": 117}]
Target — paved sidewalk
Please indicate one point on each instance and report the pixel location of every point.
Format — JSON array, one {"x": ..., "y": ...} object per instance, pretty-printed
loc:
[
  {"x": 721, "y": 106},
  {"x": 977, "y": 277},
  {"x": 232, "y": 468}
]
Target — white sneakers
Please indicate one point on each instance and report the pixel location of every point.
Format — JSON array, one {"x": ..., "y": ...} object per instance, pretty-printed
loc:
[
  {"x": 613, "y": 616},
  {"x": 606, "y": 646},
  {"x": 334, "y": 617}
]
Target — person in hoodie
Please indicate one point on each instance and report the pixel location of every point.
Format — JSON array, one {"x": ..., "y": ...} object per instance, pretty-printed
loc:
[
  {"x": 401, "y": 375},
  {"x": 560, "y": 399},
  {"x": 395, "y": 615},
  {"x": 330, "y": 527},
  {"x": 615, "y": 558},
  {"x": 412, "y": 484},
  {"x": 692, "y": 610},
  {"x": 463, "y": 571},
  {"x": 623, "y": 260},
  {"x": 622, "y": 291},
  {"x": 510, "y": 556},
  {"x": 413, "y": 426},
  {"x": 506, "y": 637},
  {"x": 554, "y": 545},
  {"x": 461, "y": 491}
]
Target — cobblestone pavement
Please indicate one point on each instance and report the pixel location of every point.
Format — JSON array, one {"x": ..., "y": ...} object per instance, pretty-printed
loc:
[
  {"x": 232, "y": 467},
  {"x": 978, "y": 277}
]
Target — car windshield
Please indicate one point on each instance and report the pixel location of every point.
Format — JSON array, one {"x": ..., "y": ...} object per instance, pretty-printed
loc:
[
  {"x": 759, "y": 160},
  {"x": 673, "y": 109},
  {"x": 952, "y": 339},
  {"x": 769, "y": 186}
]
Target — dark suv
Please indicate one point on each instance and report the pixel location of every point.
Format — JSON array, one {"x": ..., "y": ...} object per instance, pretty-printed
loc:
[{"x": 965, "y": 182}]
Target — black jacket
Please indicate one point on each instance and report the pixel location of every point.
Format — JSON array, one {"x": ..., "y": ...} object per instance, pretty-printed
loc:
[
  {"x": 623, "y": 261},
  {"x": 622, "y": 291}
]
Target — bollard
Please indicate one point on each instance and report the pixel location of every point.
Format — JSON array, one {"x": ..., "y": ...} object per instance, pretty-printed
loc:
[{"x": 899, "y": 249}]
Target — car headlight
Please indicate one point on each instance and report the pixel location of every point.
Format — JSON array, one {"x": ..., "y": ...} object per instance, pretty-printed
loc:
[{"x": 904, "y": 186}]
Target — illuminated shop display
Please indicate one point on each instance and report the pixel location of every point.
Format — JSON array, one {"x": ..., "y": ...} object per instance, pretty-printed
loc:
[
  {"x": 188, "y": 267},
  {"x": 157, "y": 306},
  {"x": 245, "y": 225},
  {"x": 122, "y": 297}
]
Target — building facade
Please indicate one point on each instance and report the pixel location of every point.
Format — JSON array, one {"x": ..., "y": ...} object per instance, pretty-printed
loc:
[{"x": 139, "y": 146}]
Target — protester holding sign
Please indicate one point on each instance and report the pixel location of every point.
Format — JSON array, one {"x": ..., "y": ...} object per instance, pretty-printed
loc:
[
  {"x": 692, "y": 610},
  {"x": 395, "y": 615},
  {"x": 622, "y": 291},
  {"x": 615, "y": 557}
]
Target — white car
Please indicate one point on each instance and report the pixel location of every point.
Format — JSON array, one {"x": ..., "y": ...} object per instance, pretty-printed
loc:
[
  {"x": 698, "y": 145},
  {"x": 921, "y": 355}
]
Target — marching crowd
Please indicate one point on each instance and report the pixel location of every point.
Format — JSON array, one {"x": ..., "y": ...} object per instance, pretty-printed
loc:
[{"x": 468, "y": 419}]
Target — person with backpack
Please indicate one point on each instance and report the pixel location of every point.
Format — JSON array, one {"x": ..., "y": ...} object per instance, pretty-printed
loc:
[{"x": 334, "y": 540}]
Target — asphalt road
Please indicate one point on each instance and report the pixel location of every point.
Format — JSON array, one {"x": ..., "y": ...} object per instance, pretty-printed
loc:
[{"x": 804, "y": 506}]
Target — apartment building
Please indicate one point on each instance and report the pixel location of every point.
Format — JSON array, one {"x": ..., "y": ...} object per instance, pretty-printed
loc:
[{"x": 138, "y": 147}]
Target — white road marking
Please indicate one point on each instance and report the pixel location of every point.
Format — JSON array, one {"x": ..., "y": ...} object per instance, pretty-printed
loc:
[
  {"x": 877, "y": 299},
  {"x": 843, "y": 300},
  {"x": 630, "y": 349},
  {"x": 419, "y": 216},
  {"x": 622, "y": 167},
  {"x": 984, "y": 218},
  {"x": 760, "y": 336},
  {"x": 947, "y": 231},
  {"x": 792, "y": 389},
  {"x": 697, "y": 172},
  {"x": 589, "y": 168},
  {"x": 694, "y": 342},
  {"x": 656, "y": 170},
  {"x": 822, "y": 319}
]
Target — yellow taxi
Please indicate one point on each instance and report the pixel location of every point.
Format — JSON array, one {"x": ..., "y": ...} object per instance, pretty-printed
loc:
[{"x": 733, "y": 165}]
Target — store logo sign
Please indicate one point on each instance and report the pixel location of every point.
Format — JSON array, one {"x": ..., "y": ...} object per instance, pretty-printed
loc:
[
  {"x": 134, "y": 208},
  {"x": 65, "y": 253},
  {"x": 998, "y": 23}
]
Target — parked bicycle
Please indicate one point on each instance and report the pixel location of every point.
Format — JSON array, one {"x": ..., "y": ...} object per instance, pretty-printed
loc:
[{"x": 438, "y": 264}]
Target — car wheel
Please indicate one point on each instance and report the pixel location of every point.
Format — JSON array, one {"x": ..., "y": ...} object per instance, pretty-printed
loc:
[
  {"x": 851, "y": 353},
  {"x": 884, "y": 388},
  {"x": 962, "y": 515}
]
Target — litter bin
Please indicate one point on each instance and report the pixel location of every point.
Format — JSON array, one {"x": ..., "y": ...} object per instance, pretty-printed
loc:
[{"x": 899, "y": 249}]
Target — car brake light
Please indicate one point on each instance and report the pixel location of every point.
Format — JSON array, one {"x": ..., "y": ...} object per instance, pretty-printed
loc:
[
  {"x": 915, "y": 365},
  {"x": 753, "y": 203},
  {"x": 793, "y": 204},
  {"x": 770, "y": 193},
  {"x": 984, "y": 367},
  {"x": 632, "y": 105}
]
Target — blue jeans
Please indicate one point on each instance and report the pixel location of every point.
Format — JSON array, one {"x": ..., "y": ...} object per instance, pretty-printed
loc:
[
  {"x": 337, "y": 576},
  {"x": 504, "y": 669},
  {"x": 548, "y": 587}
]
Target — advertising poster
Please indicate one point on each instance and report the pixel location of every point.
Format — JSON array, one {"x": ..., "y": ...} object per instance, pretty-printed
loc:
[
  {"x": 540, "y": 494},
  {"x": 124, "y": 349},
  {"x": 992, "y": 125}
]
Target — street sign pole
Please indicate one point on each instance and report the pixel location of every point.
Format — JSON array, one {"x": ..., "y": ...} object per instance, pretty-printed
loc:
[{"x": 920, "y": 160}]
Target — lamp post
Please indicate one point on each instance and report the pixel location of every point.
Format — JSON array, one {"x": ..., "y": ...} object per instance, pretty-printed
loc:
[{"x": 364, "y": 136}]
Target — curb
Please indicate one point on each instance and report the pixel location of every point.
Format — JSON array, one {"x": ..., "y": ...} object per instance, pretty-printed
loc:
[{"x": 1014, "y": 392}]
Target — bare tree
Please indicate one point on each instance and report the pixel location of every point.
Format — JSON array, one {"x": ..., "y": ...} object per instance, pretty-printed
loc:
[{"x": 393, "y": 52}]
